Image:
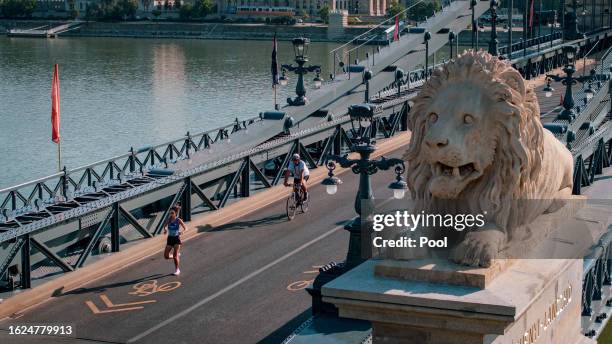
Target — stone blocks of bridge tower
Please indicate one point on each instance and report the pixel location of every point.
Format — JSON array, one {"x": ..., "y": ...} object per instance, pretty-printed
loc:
[
  {"x": 338, "y": 20},
  {"x": 532, "y": 301}
]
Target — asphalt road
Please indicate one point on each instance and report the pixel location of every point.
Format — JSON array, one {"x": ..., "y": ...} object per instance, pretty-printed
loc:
[{"x": 241, "y": 283}]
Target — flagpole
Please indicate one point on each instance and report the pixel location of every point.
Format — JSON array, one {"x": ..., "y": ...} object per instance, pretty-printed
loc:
[{"x": 59, "y": 155}]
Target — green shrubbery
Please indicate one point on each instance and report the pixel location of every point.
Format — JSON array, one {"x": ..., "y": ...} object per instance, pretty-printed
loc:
[
  {"x": 419, "y": 12},
  {"x": 423, "y": 10},
  {"x": 324, "y": 13},
  {"x": 113, "y": 10},
  {"x": 395, "y": 8},
  {"x": 200, "y": 9},
  {"x": 17, "y": 8}
]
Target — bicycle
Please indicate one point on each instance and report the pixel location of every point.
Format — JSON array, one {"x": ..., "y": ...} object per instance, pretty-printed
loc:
[{"x": 295, "y": 200}]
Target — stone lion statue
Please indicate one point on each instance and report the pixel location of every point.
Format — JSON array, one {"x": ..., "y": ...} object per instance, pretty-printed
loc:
[{"x": 477, "y": 139}]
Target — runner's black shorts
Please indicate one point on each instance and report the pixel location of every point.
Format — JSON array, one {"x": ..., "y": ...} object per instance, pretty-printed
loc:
[
  {"x": 173, "y": 240},
  {"x": 297, "y": 180}
]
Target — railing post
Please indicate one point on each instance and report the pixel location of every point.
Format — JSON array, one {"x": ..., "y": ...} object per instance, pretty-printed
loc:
[
  {"x": 26, "y": 276},
  {"x": 349, "y": 65},
  {"x": 132, "y": 161},
  {"x": 338, "y": 141},
  {"x": 245, "y": 190},
  {"x": 65, "y": 183},
  {"x": 335, "y": 62},
  {"x": 186, "y": 200},
  {"x": 187, "y": 144},
  {"x": 404, "y": 119},
  {"x": 13, "y": 201},
  {"x": 115, "y": 228}
]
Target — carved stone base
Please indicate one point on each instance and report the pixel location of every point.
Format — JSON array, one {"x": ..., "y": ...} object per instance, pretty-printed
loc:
[
  {"x": 441, "y": 271},
  {"x": 531, "y": 301}
]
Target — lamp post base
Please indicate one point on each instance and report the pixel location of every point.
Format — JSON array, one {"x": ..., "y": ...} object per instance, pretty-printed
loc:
[
  {"x": 332, "y": 270},
  {"x": 568, "y": 115},
  {"x": 298, "y": 101}
]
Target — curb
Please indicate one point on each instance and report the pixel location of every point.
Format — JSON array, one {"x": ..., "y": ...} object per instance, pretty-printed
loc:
[{"x": 72, "y": 280}]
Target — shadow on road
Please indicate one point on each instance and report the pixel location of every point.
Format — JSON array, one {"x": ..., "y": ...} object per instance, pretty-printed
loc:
[
  {"x": 98, "y": 289},
  {"x": 264, "y": 221},
  {"x": 279, "y": 335}
]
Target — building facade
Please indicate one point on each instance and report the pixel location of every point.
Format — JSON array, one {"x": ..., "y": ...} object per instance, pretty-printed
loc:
[
  {"x": 361, "y": 7},
  {"x": 310, "y": 7}
]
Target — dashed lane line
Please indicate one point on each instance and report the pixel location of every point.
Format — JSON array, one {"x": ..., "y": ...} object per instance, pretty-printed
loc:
[{"x": 232, "y": 286}]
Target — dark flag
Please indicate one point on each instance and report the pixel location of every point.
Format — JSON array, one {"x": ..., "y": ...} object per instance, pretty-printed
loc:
[
  {"x": 531, "y": 15},
  {"x": 274, "y": 66}
]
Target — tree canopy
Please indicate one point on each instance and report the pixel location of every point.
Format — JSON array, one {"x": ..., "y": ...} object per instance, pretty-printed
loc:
[
  {"x": 17, "y": 8},
  {"x": 394, "y": 8}
]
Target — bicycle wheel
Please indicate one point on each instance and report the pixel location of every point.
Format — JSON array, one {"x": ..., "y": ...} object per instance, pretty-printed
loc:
[
  {"x": 291, "y": 206},
  {"x": 304, "y": 205}
]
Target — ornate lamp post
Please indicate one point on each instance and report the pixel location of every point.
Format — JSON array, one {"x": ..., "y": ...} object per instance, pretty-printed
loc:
[
  {"x": 568, "y": 80},
  {"x": 364, "y": 166},
  {"x": 399, "y": 76},
  {"x": 367, "y": 76},
  {"x": 300, "y": 47},
  {"x": 493, "y": 42},
  {"x": 474, "y": 24},
  {"x": 426, "y": 38},
  {"x": 570, "y": 28},
  {"x": 451, "y": 42}
]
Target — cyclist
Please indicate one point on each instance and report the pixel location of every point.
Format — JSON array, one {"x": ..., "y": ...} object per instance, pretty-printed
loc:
[{"x": 300, "y": 173}]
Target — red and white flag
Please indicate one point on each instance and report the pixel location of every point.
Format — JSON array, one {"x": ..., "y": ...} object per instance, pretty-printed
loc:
[
  {"x": 396, "y": 32},
  {"x": 55, "y": 106}
]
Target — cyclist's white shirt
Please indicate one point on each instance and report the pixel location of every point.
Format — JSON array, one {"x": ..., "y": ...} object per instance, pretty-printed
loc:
[{"x": 296, "y": 170}]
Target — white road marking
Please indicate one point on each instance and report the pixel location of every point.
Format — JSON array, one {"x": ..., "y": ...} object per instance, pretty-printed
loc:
[{"x": 232, "y": 286}]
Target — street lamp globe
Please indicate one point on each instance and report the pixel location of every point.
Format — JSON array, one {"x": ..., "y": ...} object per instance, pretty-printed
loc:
[
  {"x": 317, "y": 81},
  {"x": 283, "y": 80},
  {"x": 570, "y": 52},
  {"x": 548, "y": 90},
  {"x": 331, "y": 182},
  {"x": 300, "y": 48},
  {"x": 589, "y": 92},
  {"x": 399, "y": 186},
  {"x": 361, "y": 117}
]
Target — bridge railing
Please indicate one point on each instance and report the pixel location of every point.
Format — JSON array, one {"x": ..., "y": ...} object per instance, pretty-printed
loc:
[
  {"x": 348, "y": 53},
  {"x": 69, "y": 183},
  {"x": 532, "y": 42},
  {"x": 143, "y": 203}
]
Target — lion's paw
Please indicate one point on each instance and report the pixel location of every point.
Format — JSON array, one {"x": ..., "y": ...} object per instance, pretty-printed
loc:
[{"x": 479, "y": 248}]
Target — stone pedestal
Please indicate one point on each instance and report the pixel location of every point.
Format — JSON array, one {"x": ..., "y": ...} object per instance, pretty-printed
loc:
[{"x": 534, "y": 301}]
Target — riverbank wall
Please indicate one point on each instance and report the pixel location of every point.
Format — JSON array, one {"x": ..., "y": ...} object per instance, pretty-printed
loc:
[
  {"x": 316, "y": 33},
  {"x": 225, "y": 31}
]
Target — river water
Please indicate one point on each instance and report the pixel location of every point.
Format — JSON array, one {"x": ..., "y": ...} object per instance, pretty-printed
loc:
[{"x": 119, "y": 93}]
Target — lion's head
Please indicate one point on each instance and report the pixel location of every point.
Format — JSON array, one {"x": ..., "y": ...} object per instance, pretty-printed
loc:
[{"x": 476, "y": 134}]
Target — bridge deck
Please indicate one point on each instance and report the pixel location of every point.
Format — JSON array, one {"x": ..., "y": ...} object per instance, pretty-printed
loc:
[{"x": 240, "y": 282}]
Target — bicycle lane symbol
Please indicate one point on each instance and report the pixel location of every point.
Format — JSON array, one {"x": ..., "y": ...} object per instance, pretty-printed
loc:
[
  {"x": 151, "y": 287},
  {"x": 302, "y": 284},
  {"x": 140, "y": 289}
]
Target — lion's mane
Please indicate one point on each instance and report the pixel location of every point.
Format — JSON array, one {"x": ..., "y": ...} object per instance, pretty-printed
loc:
[{"x": 517, "y": 138}]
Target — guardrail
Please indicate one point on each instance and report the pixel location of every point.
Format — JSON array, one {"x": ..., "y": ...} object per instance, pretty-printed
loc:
[
  {"x": 148, "y": 197},
  {"x": 342, "y": 57},
  {"x": 532, "y": 42},
  {"x": 68, "y": 184}
]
